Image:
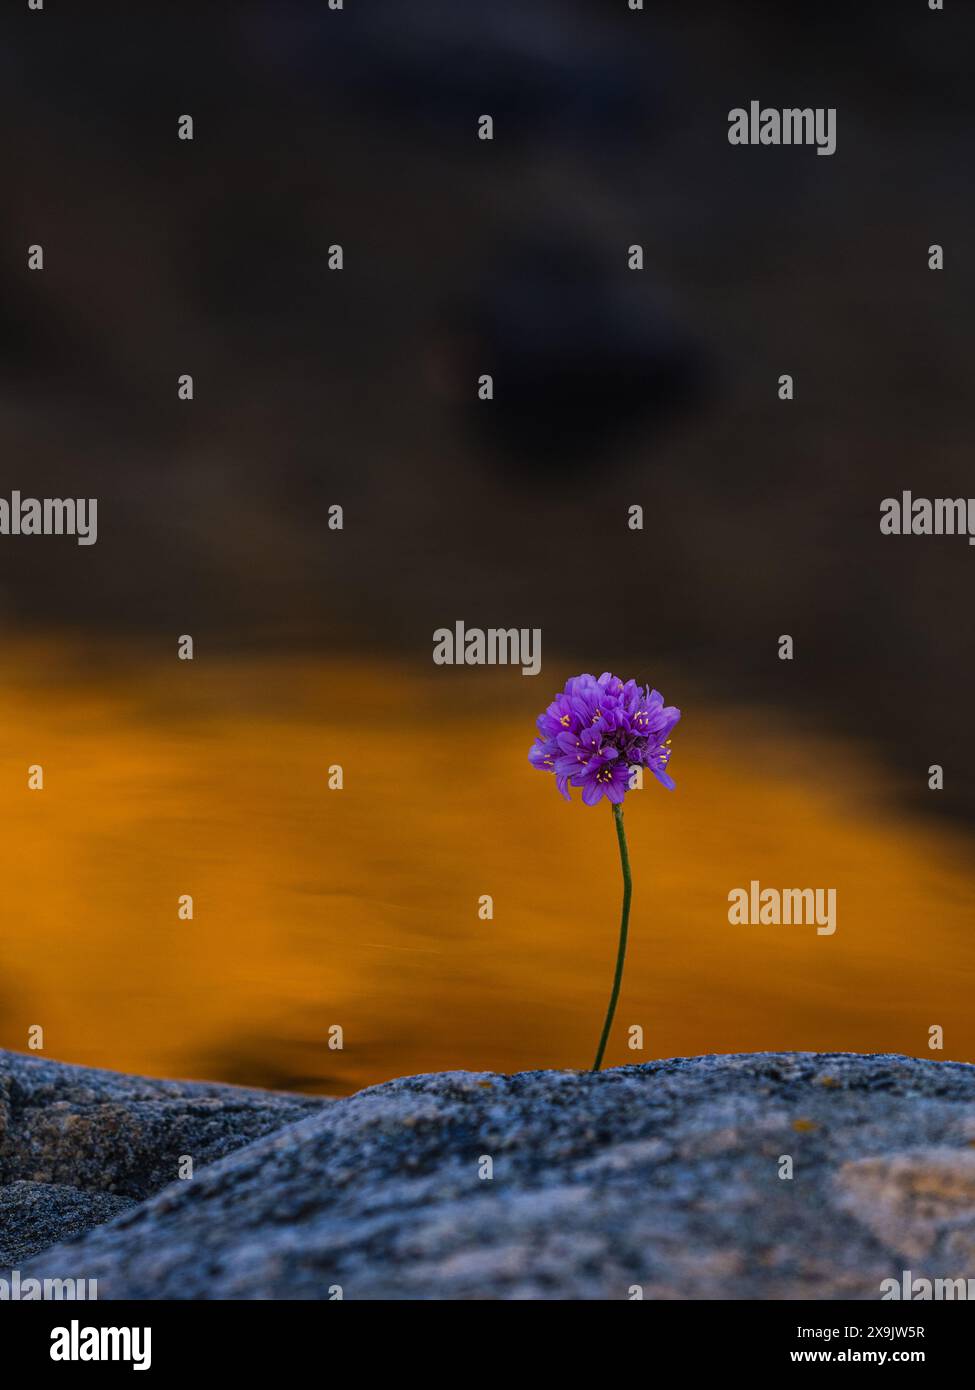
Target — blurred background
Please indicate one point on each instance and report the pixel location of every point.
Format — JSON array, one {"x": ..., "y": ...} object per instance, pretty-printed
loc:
[{"x": 613, "y": 387}]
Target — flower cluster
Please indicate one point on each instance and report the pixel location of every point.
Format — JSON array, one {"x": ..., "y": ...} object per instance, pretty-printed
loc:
[{"x": 595, "y": 730}]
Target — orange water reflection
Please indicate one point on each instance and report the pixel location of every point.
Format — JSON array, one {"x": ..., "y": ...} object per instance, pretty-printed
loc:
[{"x": 359, "y": 907}]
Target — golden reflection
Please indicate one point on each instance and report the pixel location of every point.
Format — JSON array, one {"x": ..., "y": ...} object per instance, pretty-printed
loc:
[{"x": 359, "y": 907}]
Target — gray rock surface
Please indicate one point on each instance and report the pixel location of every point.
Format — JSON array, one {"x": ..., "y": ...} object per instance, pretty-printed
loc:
[
  {"x": 107, "y": 1132},
  {"x": 664, "y": 1176},
  {"x": 34, "y": 1215}
]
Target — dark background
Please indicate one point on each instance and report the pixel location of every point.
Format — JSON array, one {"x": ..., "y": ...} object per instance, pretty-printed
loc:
[{"x": 462, "y": 257}]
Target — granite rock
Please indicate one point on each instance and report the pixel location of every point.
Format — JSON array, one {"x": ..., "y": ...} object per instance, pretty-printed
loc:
[
  {"x": 107, "y": 1132},
  {"x": 35, "y": 1215},
  {"x": 664, "y": 1179}
]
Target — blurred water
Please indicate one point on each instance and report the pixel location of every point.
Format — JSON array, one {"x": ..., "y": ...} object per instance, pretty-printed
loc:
[{"x": 359, "y": 907}]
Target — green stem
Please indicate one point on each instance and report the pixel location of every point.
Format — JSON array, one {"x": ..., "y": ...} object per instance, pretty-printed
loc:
[{"x": 624, "y": 923}]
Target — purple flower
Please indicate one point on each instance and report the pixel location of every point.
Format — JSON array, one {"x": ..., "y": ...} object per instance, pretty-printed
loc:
[{"x": 595, "y": 730}]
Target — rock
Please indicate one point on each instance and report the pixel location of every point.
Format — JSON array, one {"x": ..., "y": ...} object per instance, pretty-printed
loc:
[
  {"x": 34, "y": 1215},
  {"x": 916, "y": 1200},
  {"x": 663, "y": 1177},
  {"x": 105, "y": 1132}
]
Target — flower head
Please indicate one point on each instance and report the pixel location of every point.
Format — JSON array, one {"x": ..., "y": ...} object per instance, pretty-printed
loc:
[{"x": 595, "y": 730}]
